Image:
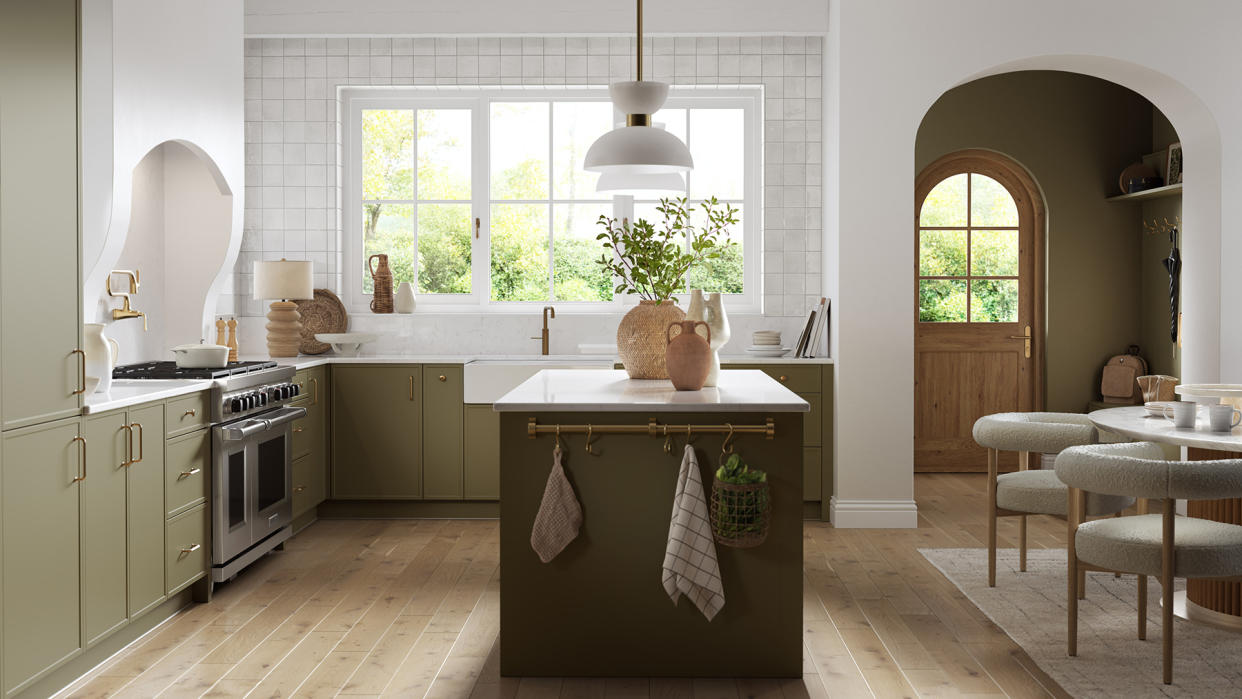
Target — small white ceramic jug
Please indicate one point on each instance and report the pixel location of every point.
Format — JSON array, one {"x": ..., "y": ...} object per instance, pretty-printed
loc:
[
  {"x": 101, "y": 355},
  {"x": 403, "y": 300}
]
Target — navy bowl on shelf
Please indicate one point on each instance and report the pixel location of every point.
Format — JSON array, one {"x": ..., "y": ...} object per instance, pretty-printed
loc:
[{"x": 1140, "y": 184}]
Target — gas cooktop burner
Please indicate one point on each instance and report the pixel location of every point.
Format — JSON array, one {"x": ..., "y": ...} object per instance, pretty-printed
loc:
[{"x": 170, "y": 370}]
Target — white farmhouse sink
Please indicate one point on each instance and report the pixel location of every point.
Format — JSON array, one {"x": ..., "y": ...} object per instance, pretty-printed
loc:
[{"x": 486, "y": 380}]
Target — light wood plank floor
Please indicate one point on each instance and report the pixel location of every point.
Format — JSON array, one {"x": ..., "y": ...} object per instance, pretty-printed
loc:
[{"x": 411, "y": 608}]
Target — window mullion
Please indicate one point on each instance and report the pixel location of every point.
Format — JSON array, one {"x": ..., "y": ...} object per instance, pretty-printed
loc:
[
  {"x": 551, "y": 209},
  {"x": 480, "y": 206},
  {"x": 414, "y": 208}
]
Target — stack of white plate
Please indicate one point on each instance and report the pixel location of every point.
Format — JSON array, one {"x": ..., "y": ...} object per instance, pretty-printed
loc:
[{"x": 766, "y": 343}]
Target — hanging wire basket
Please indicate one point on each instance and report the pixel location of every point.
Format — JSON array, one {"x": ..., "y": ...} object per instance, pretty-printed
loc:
[{"x": 740, "y": 513}]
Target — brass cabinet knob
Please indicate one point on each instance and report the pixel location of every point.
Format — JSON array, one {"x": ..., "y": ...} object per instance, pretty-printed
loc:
[
  {"x": 784, "y": 378},
  {"x": 299, "y": 488},
  {"x": 443, "y": 377},
  {"x": 297, "y": 429}
]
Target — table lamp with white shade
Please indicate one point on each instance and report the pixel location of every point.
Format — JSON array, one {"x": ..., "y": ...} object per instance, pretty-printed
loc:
[{"x": 286, "y": 281}]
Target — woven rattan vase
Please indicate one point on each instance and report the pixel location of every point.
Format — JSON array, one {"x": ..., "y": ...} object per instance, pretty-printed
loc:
[{"x": 641, "y": 341}]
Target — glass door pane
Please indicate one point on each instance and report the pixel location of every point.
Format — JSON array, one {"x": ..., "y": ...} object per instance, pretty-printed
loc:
[{"x": 271, "y": 472}]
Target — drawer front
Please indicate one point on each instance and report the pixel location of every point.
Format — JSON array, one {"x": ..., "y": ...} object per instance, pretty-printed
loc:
[
  {"x": 187, "y": 413},
  {"x": 187, "y": 472},
  {"x": 812, "y": 474},
  {"x": 813, "y": 422},
  {"x": 797, "y": 378},
  {"x": 310, "y": 485},
  {"x": 187, "y": 548},
  {"x": 310, "y": 383}
]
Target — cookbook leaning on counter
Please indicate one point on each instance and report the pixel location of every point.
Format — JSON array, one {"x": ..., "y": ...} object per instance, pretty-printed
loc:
[{"x": 621, "y": 553}]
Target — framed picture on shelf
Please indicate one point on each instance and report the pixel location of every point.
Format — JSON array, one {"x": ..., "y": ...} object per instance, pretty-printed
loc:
[{"x": 1173, "y": 168}]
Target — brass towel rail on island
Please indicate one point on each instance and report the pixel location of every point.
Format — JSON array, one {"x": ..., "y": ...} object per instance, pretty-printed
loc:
[{"x": 652, "y": 429}]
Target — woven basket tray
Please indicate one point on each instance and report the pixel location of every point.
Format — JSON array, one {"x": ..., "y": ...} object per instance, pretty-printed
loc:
[
  {"x": 322, "y": 314},
  {"x": 740, "y": 513}
]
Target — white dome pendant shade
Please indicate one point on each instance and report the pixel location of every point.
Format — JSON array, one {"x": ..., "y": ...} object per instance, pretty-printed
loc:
[
  {"x": 637, "y": 148},
  {"x": 662, "y": 184}
]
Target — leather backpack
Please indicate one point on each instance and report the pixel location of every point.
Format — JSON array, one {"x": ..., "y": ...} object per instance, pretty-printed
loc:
[{"x": 1118, "y": 382}]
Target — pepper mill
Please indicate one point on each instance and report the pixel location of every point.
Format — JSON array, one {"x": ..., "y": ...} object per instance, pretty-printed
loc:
[
  {"x": 232, "y": 343},
  {"x": 219, "y": 331}
]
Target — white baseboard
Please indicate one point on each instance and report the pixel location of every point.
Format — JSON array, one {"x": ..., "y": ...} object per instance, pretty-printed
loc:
[{"x": 873, "y": 514}]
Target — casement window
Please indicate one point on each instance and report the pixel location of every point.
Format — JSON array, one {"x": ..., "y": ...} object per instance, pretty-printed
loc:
[{"x": 479, "y": 199}]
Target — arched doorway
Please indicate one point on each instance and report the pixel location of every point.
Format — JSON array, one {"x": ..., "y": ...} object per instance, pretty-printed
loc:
[{"x": 978, "y": 309}]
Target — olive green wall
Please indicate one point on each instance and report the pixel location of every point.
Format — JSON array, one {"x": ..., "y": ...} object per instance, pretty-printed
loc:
[
  {"x": 1163, "y": 357},
  {"x": 1074, "y": 133}
]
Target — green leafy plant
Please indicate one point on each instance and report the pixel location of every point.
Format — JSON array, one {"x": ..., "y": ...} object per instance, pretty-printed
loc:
[
  {"x": 652, "y": 262},
  {"x": 737, "y": 472}
]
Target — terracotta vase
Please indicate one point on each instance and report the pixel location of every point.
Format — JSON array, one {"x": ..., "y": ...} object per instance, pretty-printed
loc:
[
  {"x": 641, "y": 340},
  {"x": 688, "y": 355}
]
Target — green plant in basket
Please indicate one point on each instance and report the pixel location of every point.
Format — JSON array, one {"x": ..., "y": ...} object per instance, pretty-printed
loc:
[
  {"x": 740, "y": 513},
  {"x": 736, "y": 471}
]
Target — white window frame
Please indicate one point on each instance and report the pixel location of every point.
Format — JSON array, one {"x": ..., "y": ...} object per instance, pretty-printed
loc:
[{"x": 355, "y": 99}]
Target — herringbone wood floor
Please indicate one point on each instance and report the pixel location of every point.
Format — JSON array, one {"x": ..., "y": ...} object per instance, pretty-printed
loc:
[{"x": 410, "y": 608}]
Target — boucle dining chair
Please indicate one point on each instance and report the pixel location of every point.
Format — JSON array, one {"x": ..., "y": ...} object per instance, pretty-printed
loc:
[
  {"x": 1163, "y": 545},
  {"x": 1033, "y": 492}
]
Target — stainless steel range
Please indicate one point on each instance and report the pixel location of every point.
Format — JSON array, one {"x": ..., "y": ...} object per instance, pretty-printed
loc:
[
  {"x": 252, "y": 430},
  {"x": 252, "y": 433}
]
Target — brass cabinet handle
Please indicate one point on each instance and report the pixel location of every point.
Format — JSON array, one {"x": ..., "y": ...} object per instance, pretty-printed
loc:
[
  {"x": 189, "y": 413},
  {"x": 132, "y": 460},
  {"x": 315, "y": 399},
  {"x": 299, "y": 488},
  {"x": 191, "y": 549},
  {"x": 411, "y": 388},
  {"x": 192, "y": 472},
  {"x": 81, "y": 371},
  {"x": 129, "y": 445},
  {"x": 297, "y": 429},
  {"x": 443, "y": 378},
  {"x": 82, "y": 446}
]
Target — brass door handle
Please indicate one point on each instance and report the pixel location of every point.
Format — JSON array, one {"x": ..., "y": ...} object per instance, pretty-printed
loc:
[
  {"x": 191, "y": 549},
  {"x": 476, "y": 228},
  {"x": 81, "y": 371},
  {"x": 82, "y": 446},
  {"x": 1026, "y": 341},
  {"x": 132, "y": 460},
  {"x": 192, "y": 472},
  {"x": 189, "y": 413},
  {"x": 129, "y": 445}
]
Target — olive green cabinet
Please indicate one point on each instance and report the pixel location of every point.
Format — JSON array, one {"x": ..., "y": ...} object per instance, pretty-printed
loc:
[
  {"x": 482, "y": 457},
  {"x": 376, "y": 432},
  {"x": 40, "y": 491},
  {"x": 103, "y": 534},
  {"x": 310, "y": 441},
  {"x": 145, "y": 511},
  {"x": 443, "y": 425},
  {"x": 41, "y": 323}
]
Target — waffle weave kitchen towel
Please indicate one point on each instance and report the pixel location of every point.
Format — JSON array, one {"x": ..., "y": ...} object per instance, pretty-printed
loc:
[
  {"x": 690, "y": 566},
  {"x": 559, "y": 515}
]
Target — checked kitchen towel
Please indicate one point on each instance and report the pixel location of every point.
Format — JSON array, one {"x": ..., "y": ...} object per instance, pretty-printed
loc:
[{"x": 690, "y": 566}]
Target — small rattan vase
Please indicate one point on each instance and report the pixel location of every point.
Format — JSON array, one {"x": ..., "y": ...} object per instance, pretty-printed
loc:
[
  {"x": 740, "y": 513},
  {"x": 641, "y": 341}
]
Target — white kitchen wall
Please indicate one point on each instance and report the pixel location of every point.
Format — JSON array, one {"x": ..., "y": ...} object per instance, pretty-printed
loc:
[{"x": 291, "y": 146}]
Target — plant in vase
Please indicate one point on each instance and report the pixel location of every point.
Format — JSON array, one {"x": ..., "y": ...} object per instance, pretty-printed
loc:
[{"x": 652, "y": 263}]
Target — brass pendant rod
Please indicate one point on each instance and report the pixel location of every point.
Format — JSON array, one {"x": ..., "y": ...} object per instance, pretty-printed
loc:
[
  {"x": 639, "y": 45},
  {"x": 652, "y": 429}
]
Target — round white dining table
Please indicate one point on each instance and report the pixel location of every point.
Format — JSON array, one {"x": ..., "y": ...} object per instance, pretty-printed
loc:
[{"x": 1209, "y": 601}]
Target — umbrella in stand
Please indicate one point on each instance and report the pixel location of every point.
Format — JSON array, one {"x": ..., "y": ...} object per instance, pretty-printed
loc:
[{"x": 1173, "y": 263}]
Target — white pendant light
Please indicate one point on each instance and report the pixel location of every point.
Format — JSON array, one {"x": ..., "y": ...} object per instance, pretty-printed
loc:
[
  {"x": 645, "y": 185},
  {"x": 637, "y": 148}
]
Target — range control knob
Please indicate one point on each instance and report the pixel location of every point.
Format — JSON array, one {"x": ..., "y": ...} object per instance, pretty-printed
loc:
[
  {"x": 235, "y": 405},
  {"x": 296, "y": 389},
  {"x": 263, "y": 398}
]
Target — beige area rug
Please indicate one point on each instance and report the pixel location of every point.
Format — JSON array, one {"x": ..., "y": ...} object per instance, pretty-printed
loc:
[{"x": 1111, "y": 662}]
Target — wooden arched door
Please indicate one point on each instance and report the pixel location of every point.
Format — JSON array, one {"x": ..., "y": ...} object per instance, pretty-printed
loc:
[{"x": 978, "y": 305}]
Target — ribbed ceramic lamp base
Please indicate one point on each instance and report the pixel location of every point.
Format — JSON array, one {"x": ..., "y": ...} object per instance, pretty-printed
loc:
[{"x": 284, "y": 329}]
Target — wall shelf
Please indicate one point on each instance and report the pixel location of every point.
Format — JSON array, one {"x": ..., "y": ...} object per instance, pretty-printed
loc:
[{"x": 1171, "y": 190}]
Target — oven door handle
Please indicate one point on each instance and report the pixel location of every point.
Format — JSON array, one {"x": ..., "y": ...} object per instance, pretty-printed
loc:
[{"x": 256, "y": 425}]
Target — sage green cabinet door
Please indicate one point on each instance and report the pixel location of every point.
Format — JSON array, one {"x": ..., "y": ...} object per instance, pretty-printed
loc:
[
  {"x": 443, "y": 431},
  {"x": 41, "y": 323},
  {"x": 103, "y": 527},
  {"x": 482, "y": 478},
  {"x": 41, "y": 526},
  {"x": 146, "y": 510},
  {"x": 376, "y": 432}
]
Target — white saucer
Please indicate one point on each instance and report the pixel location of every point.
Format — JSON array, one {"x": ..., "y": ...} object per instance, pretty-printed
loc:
[
  {"x": 762, "y": 351},
  {"x": 1155, "y": 408}
]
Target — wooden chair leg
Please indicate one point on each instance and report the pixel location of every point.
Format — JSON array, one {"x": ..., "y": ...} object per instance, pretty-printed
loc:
[
  {"x": 1022, "y": 543},
  {"x": 992, "y": 467},
  {"x": 1080, "y": 516},
  {"x": 1166, "y": 584},
  {"x": 1071, "y": 577},
  {"x": 1142, "y": 607},
  {"x": 1117, "y": 575}
]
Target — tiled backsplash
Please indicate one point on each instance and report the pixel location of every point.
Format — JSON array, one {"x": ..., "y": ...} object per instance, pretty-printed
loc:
[{"x": 291, "y": 135}]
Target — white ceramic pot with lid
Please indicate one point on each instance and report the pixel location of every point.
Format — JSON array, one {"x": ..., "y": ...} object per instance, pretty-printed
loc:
[{"x": 201, "y": 356}]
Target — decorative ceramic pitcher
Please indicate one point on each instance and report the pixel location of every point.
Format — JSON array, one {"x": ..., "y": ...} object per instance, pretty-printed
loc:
[
  {"x": 101, "y": 355},
  {"x": 688, "y": 355},
  {"x": 381, "y": 278}
]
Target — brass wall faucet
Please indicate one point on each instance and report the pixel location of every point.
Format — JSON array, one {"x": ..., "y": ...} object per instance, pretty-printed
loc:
[
  {"x": 125, "y": 311},
  {"x": 544, "y": 336}
]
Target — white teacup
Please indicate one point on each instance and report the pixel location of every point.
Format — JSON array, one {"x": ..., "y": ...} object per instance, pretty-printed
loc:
[
  {"x": 1224, "y": 418},
  {"x": 1184, "y": 413}
]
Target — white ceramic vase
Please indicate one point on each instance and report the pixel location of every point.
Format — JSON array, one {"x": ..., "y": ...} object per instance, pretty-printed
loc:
[
  {"x": 101, "y": 355},
  {"x": 697, "y": 310},
  {"x": 719, "y": 324},
  {"x": 403, "y": 300}
]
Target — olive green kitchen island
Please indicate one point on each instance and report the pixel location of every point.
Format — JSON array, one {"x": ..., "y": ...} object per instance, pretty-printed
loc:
[{"x": 599, "y": 608}]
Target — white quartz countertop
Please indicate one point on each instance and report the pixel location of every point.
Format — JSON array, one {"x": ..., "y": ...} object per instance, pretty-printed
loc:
[
  {"x": 1134, "y": 422},
  {"x": 127, "y": 392},
  {"x": 609, "y": 390}
]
